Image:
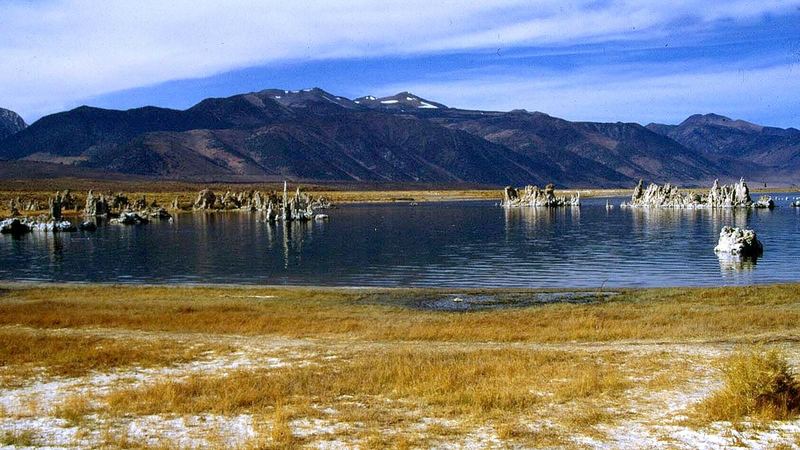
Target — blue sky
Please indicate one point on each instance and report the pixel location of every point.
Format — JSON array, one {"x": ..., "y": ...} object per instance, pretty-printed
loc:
[{"x": 581, "y": 60}]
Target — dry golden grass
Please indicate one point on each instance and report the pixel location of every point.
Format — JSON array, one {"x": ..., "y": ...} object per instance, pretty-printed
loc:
[
  {"x": 389, "y": 376},
  {"x": 395, "y": 388},
  {"x": 24, "y": 353},
  {"x": 729, "y": 314},
  {"x": 759, "y": 384},
  {"x": 19, "y": 438},
  {"x": 73, "y": 409},
  {"x": 597, "y": 378},
  {"x": 281, "y": 432}
]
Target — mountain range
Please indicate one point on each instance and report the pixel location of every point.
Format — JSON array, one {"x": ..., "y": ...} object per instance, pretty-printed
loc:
[{"x": 315, "y": 135}]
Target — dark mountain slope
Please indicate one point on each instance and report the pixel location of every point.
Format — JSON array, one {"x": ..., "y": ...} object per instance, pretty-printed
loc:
[
  {"x": 314, "y": 135},
  {"x": 355, "y": 145},
  {"x": 737, "y": 142},
  {"x": 85, "y": 131},
  {"x": 81, "y": 130},
  {"x": 10, "y": 123},
  {"x": 587, "y": 152}
]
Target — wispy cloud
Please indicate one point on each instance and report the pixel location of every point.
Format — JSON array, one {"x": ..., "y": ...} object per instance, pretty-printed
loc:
[{"x": 56, "y": 52}]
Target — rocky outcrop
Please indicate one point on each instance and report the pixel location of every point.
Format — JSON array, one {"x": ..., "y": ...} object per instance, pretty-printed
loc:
[
  {"x": 14, "y": 226},
  {"x": 245, "y": 200},
  {"x": 55, "y": 206},
  {"x": 298, "y": 207},
  {"x": 533, "y": 196},
  {"x": 96, "y": 206},
  {"x": 727, "y": 196},
  {"x": 321, "y": 203},
  {"x": 301, "y": 206},
  {"x": 736, "y": 195},
  {"x": 796, "y": 203},
  {"x": 206, "y": 199},
  {"x": 129, "y": 218},
  {"x": 33, "y": 205},
  {"x": 738, "y": 242},
  {"x": 68, "y": 201},
  {"x": 764, "y": 202},
  {"x": 88, "y": 225},
  {"x": 17, "y": 204},
  {"x": 155, "y": 212},
  {"x": 140, "y": 204},
  {"x": 119, "y": 201},
  {"x": 21, "y": 226},
  {"x": 54, "y": 226},
  {"x": 666, "y": 196}
]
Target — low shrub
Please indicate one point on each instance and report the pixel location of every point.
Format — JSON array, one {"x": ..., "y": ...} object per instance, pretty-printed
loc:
[{"x": 759, "y": 384}]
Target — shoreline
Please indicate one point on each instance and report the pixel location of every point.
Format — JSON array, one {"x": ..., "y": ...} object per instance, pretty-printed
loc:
[
  {"x": 166, "y": 193},
  {"x": 345, "y": 197},
  {"x": 12, "y": 284}
]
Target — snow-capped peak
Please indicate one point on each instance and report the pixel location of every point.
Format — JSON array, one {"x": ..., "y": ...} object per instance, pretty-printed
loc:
[{"x": 403, "y": 101}]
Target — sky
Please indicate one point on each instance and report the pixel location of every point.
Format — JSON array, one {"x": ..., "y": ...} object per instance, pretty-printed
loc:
[{"x": 602, "y": 60}]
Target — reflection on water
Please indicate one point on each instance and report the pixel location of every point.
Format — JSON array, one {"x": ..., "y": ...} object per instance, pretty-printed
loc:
[
  {"x": 437, "y": 244},
  {"x": 294, "y": 234},
  {"x": 533, "y": 220},
  {"x": 655, "y": 219},
  {"x": 732, "y": 265}
]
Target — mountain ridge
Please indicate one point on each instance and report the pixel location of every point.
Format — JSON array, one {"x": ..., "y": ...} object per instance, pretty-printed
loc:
[
  {"x": 316, "y": 135},
  {"x": 732, "y": 142}
]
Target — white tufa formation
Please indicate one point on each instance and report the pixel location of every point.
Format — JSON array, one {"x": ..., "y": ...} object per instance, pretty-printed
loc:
[
  {"x": 667, "y": 196},
  {"x": 285, "y": 207},
  {"x": 25, "y": 225},
  {"x": 532, "y": 196},
  {"x": 738, "y": 242}
]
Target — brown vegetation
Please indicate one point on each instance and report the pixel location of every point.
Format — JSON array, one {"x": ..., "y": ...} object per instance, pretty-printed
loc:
[
  {"x": 684, "y": 314},
  {"x": 20, "y": 438},
  {"x": 758, "y": 384},
  {"x": 395, "y": 387},
  {"x": 24, "y": 353},
  {"x": 474, "y": 382},
  {"x": 363, "y": 369}
]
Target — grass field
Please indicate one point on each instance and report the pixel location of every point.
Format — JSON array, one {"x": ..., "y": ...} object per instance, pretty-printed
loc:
[{"x": 180, "y": 367}]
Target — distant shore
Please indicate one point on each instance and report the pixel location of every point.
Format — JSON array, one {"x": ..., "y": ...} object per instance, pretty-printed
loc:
[{"x": 164, "y": 192}]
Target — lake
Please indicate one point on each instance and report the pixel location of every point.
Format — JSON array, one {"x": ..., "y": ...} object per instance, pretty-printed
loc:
[{"x": 448, "y": 244}]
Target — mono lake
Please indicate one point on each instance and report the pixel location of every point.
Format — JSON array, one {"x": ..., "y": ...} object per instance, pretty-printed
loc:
[{"x": 448, "y": 244}]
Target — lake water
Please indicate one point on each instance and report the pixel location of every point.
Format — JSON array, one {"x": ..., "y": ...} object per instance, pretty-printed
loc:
[{"x": 453, "y": 244}]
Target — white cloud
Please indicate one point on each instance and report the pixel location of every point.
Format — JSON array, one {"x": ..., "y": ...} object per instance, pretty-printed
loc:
[
  {"x": 631, "y": 94},
  {"x": 56, "y": 52}
]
